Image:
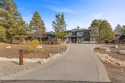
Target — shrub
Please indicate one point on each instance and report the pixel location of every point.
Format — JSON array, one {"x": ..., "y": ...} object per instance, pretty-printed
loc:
[
  {"x": 35, "y": 43},
  {"x": 33, "y": 48}
]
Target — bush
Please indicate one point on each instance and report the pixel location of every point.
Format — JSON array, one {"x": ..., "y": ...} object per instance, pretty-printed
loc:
[
  {"x": 35, "y": 43},
  {"x": 33, "y": 48}
]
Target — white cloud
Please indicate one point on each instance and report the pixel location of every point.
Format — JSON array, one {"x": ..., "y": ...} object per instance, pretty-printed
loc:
[
  {"x": 60, "y": 9},
  {"x": 99, "y": 15},
  {"x": 51, "y": 1}
]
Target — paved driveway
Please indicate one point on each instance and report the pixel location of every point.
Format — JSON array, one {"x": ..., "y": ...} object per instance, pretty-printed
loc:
[{"x": 78, "y": 64}]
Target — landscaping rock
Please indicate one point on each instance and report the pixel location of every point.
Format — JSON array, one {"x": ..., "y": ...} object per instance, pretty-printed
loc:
[
  {"x": 105, "y": 48},
  {"x": 108, "y": 59},
  {"x": 122, "y": 52},
  {"x": 8, "y": 47},
  {"x": 116, "y": 46},
  {"x": 39, "y": 47}
]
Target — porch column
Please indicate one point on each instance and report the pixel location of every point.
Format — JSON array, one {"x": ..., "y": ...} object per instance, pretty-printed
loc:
[
  {"x": 77, "y": 40},
  {"x": 70, "y": 40}
]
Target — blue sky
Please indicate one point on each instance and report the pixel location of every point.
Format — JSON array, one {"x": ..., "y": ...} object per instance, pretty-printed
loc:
[{"x": 77, "y": 12}]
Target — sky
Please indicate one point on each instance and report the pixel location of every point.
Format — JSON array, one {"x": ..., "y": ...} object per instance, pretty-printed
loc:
[{"x": 77, "y": 12}]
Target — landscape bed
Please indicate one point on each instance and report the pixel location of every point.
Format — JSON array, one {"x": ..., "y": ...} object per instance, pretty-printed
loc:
[
  {"x": 13, "y": 52},
  {"x": 115, "y": 72},
  {"x": 11, "y": 67}
]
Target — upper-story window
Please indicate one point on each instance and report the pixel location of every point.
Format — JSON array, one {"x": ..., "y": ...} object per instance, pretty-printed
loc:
[
  {"x": 79, "y": 33},
  {"x": 70, "y": 33},
  {"x": 87, "y": 34},
  {"x": 74, "y": 33}
]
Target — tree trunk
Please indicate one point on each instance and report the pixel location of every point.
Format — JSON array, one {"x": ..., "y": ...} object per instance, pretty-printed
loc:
[
  {"x": 10, "y": 40},
  {"x": 40, "y": 40}
]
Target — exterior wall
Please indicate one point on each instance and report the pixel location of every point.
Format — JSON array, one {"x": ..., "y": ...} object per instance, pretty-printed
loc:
[
  {"x": 83, "y": 36},
  {"x": 79, "y": 34}
]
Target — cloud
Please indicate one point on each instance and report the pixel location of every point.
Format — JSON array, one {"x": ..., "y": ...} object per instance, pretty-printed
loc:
[
  {"x": 51, "y": 2},
  {"x": 99, "y": 15},
  {"x": 61, "y": 9}
]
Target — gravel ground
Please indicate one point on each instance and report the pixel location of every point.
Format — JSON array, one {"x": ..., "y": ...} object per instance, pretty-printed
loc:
[
  {"x": 7, "y": 68},
  {"x": 116, "y": 72}
]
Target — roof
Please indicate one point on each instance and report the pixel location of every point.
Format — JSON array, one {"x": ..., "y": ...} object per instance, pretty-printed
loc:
[
  {"x": 51, "y": 33},
  {"x": 77, "y": 29}
]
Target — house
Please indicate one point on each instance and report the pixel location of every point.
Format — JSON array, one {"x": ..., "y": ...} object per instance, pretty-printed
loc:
[
  {"x": 119, "y": 38},
  {"x": 49, "y": 38},
  {"x": 79, "y": 36}
]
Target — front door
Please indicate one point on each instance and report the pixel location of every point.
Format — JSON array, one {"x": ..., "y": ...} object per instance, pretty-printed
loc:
[{"x": 74, "y": 40}]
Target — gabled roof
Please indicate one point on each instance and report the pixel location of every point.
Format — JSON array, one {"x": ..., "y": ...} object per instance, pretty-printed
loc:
[
  {"x": 77, "y": 29},
  {"x": 51, "y": 33}
]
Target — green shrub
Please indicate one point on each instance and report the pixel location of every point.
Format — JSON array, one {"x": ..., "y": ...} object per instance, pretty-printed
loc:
[
  {"x": 35, "y": 43},
  {"x": 33, "y": 48}
]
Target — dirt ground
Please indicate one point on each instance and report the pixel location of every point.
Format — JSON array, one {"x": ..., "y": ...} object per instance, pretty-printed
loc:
[
  {"x": 13, "y": 52},
  {"x": 7, "y": 68},
  {"x": 116, "y": 72}
]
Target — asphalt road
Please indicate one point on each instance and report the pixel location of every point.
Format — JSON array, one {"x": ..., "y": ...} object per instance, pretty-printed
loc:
[{"x": 78, "y": 64}]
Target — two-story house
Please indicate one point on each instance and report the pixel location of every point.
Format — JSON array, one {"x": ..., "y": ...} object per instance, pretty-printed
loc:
[{"x": 79, "y": 36}]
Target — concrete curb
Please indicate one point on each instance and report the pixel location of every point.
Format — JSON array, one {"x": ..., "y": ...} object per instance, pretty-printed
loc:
[
  {"x": 103, "y": 75},
  {"x": 23, "y": 72}
]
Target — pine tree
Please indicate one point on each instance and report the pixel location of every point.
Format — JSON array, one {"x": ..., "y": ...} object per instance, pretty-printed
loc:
[
  {"x": 105, "y": 31},
  {"x": 95, "y": 28},
  {"x": 12, "y": 9},
  {"x": 123, "y": 30},
  {"x": 12, "y": 21},
  {"x": 21, "y": 30},
  {"x": 38, "y": 26},
  {"x": 118, "y": 29},
  {"x": 102, "y": 29},
  {"x": 2, "y": 34},
  {"x": 59, "y": 25}
]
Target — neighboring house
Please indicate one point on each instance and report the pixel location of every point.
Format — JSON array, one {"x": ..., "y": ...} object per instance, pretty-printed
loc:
[
  {"x": 49, "y": 38},
  {"x": 119, "y": 38},
  {"x": 79, "y": 36}
]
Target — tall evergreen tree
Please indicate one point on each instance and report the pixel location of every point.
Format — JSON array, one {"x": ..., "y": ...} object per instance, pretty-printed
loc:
[
  {"x": 105, "y": 31},
  {"x": 118, "y": 29},
  {"x": 38, "y": 26},
  {"x": 102, "y": 29},
  {"x": 21, "y": 30},
  {"x": 95, "y": 28},
  {"x": 2, "y": 34},
  {"x": 12, "y": 21},
  {"x": 12, "y": 9},
  {"x": 123, "y": 30},
  {"x": 59, "y": 25}
]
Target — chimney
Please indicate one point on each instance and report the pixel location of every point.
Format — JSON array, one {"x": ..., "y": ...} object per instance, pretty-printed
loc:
[{"x": 78, "y": 27}]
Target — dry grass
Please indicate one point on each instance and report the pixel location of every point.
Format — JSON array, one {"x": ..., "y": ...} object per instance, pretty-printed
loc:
[{"x": 14, "y": 51}]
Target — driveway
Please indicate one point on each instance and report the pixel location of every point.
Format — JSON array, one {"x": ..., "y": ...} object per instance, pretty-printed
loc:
[{"x": 77, "y": 64}]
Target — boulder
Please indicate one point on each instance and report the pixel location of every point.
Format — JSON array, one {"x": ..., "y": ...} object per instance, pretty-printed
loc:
[
  {"x": 115, "y": 46},
  {"x": 8, "y": 47},
  {"x": 105, "y": 48},
  {"x": 122, "y": 52},
  {"x": 39, "y": 47}
]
